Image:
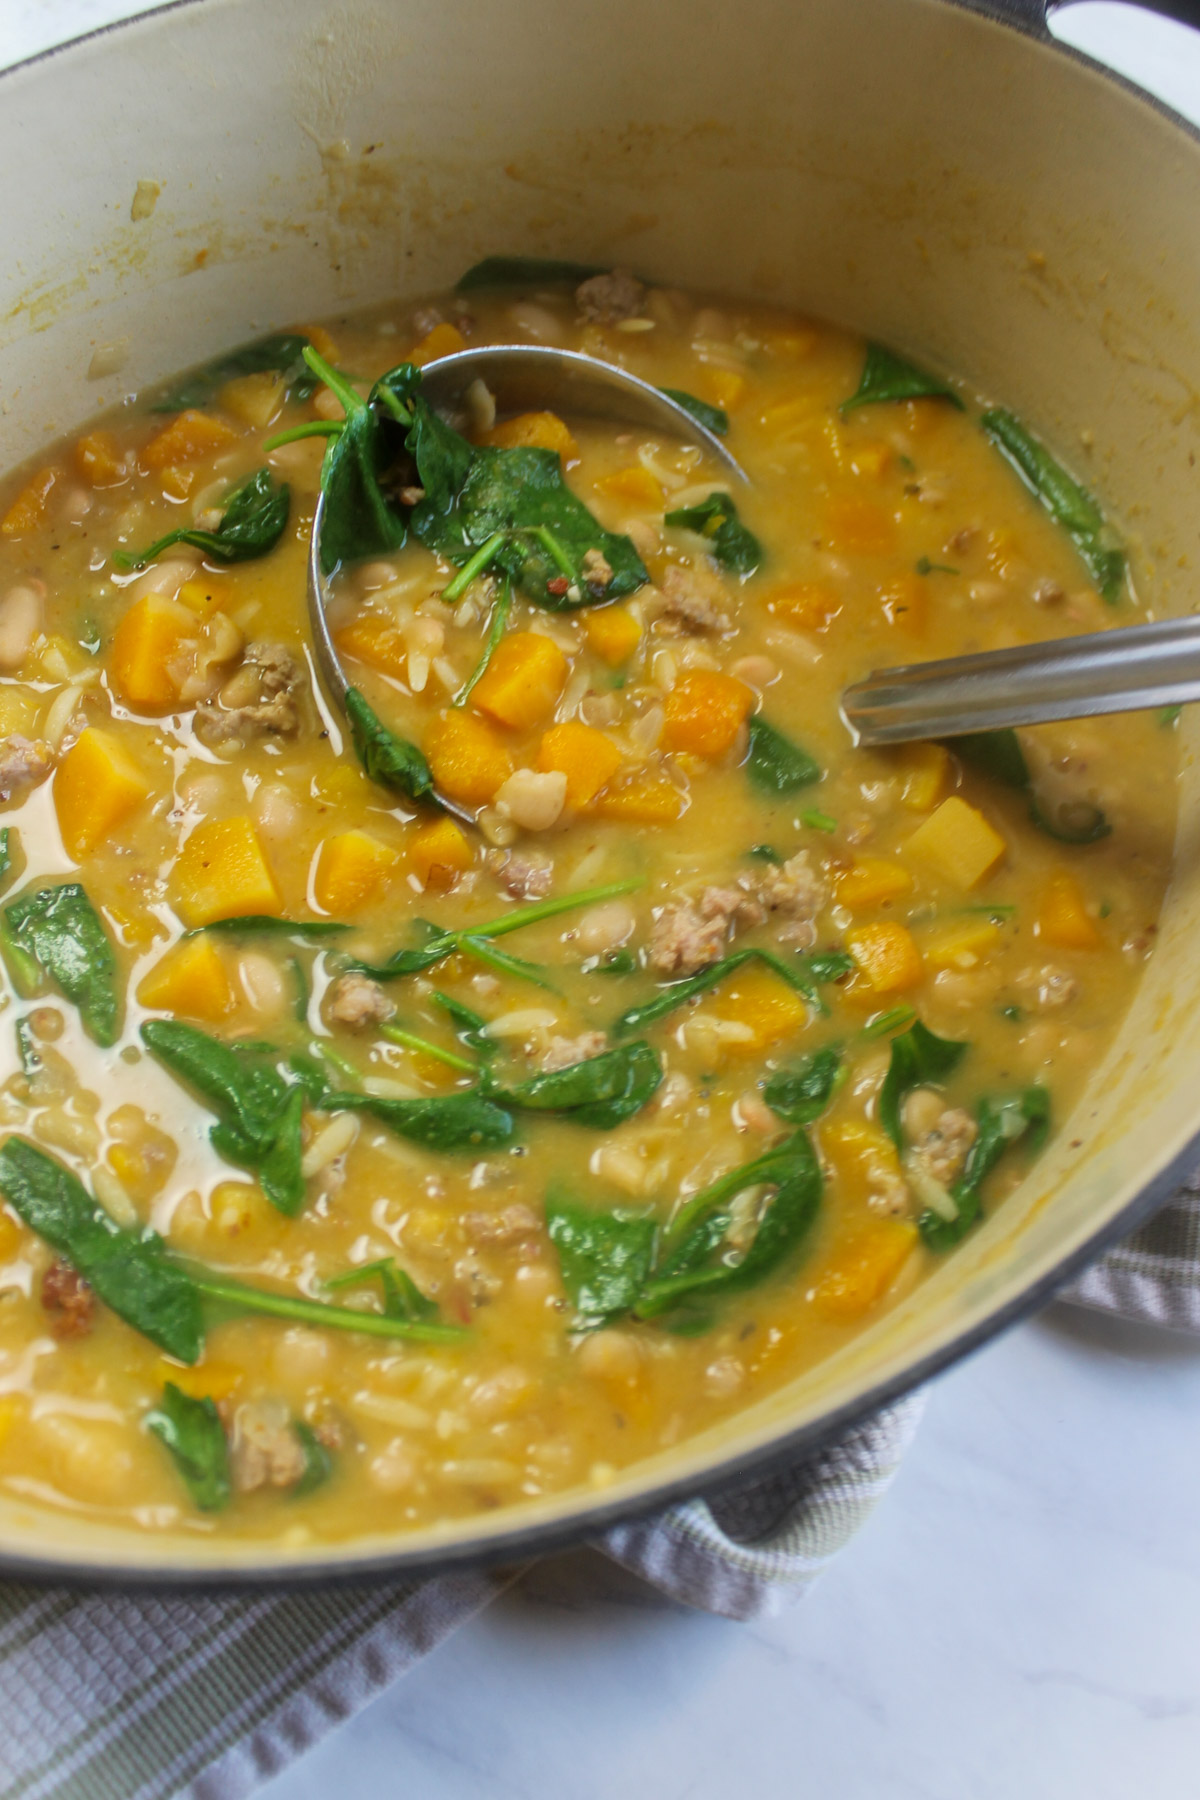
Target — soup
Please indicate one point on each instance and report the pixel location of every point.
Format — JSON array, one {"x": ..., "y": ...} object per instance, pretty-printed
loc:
[{"x": 411, "y": 1114}]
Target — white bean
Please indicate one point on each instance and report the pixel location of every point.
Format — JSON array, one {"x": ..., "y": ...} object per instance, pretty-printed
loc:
[
  {"x": 536, "y": 322},
  {"x": 605, "y": 927},
  {"x": 262, "y": 983},
  {"x": 533, "y": 801},
  {"x": 20, "y": 622}
]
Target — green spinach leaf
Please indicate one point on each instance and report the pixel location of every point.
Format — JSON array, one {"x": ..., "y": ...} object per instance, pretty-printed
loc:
[
  {"x": 1069, "y": 504},
  {"x": 265, "y": 925},
  {"x": 605, "y": 1257},
  {"x": 774, "y": 764},
  {"x": 999, "y": 754},
  {"x": 649, "y": 1012},
  {"x": 801, "y": 1093},
  {"x": 470, "y": 1027},
  {"x": 318, "y": 1462},
  {"x": 525, "y": 271},
  {"x": 918, "y": 1056},
  {"x": 128, "y": 1269},
  {"x": 192, "y": 1431},
  {"x": 887, "y": 376},
  {"x": 713, "y": 418},
  {"x": 254, "y": 518},
  {"x": 60, "y": 931},
  {"x": 391, "y": 761},
  {"x": 716, "y": 519},
  {"x": 282, "y": 353},
  {"x": 599, "y": 1093},
  {"x": 1001, "y": 1122}
]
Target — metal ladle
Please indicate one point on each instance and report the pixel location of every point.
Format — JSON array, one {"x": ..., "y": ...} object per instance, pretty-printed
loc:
[{"x": 522, "y": 378}]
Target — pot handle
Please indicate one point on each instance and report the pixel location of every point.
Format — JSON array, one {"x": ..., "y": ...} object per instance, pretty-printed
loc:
[{"x": 1034, "y": 14}]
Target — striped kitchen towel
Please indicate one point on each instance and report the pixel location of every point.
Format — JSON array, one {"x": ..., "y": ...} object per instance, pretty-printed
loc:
[{"x": 170, "y": 1697}]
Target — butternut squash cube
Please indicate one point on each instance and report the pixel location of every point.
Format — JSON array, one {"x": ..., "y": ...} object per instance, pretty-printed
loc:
[
  {"x": 871, "y": 881},
  {"x": 255, "y": 399},
  {"x": 758, "y": 1000},
  {"x": 859, "y": 526},
  {"x": 190, "y": 981},
  {"x": 862, "y": 1155},
  {"x": 886, "y": 955},
  {"x": 704, "y": 713},
  {"x": 443, "y": 340},
  {"x": 925, "y": 769},
  {"x": 803, "y": 605},
  {"x": 1062, "y": 916},
  {"x": 376, "y": 642},
  {"x": 191, "y": 436},
  {"x": 522, "y": 683},
  {"x": 26, "y": 511},
  {"x": 221, "y": 873},
  {"x": 535, "y": 431},
  {"x": 957, "y": 843},
  {"x": 438, "y": 853},
  {"x": 587, "y": 758},
  {"x": 98, "y": 459},
  {"x": 468, "y": 758},
  {"x": 322, "y": 341},
  {"x": 206, "y": 1380},
  {"x": 961, "y": 946},
  {"x": 97, "y": 784},
  {"x": 646, "y": 797},
  {"x": 146, "y": 659},
  {"x": 863, "y": 1270},
  {"x": 871, "y": 460},
  {"x": 634, "y": 486},
  {"x": 204, "y": 595},
  {"x": 613, "y": 633},
  {"x": 725, "y": 388},
  {"x": 351, "y": 869}
]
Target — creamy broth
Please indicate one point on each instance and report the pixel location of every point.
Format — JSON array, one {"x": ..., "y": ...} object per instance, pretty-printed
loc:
[{"x": 166, "y": 747}]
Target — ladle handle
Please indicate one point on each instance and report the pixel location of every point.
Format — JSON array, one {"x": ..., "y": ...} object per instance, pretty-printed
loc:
[{"x": 1066, "y": 678}]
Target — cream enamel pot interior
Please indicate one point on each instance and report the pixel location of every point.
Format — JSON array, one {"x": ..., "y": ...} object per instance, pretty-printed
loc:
[{"x": 950, "y": 182}]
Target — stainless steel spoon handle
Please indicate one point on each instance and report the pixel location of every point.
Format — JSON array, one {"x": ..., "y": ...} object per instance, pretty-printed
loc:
[{"x": 1125, "y": 670}]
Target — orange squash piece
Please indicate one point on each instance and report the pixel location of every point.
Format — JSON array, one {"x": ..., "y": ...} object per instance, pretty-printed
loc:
[
  {"x": 634, "y": 486},
  {"x": 221, "y": 873},
  {"x": 190, "y": 437},
  {"x": 439, "y": 853},
  {"x": 376, "y": 642},
  {"x": 443, "y": 340},
  {"x": 871, "y": 881},
  {"x": 647, "y": 797},
  {"x": 803, "y": 605},
  {"x": 351, "y": 868},
  {"x": 704, "y": 712},
  {"x": 612, "y": 632},
  {"x": 26, "y": 511},
  {"x": 863, "y": 1270},
  {"x": 1062, "y": 918},
  {"x": 957, "y": 843},
  {"x": 98, "y": 459},
  {"x": 587, "y": 758},
  {"x": 97, "y": 784},
  {"x": 859, "y": 526},
  {"x": 760, "y": 1001},
  {"x": 522, "y": 683},
  {"x": 190, "y": 981},
  {"x": 147, "y": 651},
  {"x": 721, "y": 387},
  {"x": 887, "y": 956},
  {"x": 468, "y": 758},
  {"x": 534, "y": 431}
]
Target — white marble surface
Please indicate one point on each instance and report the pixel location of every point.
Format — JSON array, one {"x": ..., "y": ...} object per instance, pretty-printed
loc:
[{"x": 1020, "y": 1619}]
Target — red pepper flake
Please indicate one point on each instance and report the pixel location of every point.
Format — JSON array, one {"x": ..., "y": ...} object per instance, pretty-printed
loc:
[{"x": 558, "y": 585}]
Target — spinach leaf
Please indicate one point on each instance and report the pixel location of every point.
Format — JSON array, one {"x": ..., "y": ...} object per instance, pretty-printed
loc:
[
  {"x": 999, "y": 754},
  {"x": 396, "y": 1034},
  {"x": 192, "y": 1431},
  {"x": 695, "y": 1261},
  {"x": 648, "y": 1012},
  {"x": 613, "y": 962},
  {"x": 389, "y": 760},
  {"x": 1069, "y": 504},
  {"x": 8, "y": 842},
  {"x": 282, "y": 353},
  {"x": 887, "y": 376},
  {"x": 605, "y": 1257},
  {"x": 318, "y": 1462},
  {"x": 470, "y": 1027},
  {"x": 598, "y": 1093},
  {"x": 495, "y": 631},
  {"x": 776, "y": 765},
  {"x": 265, "y": 925},
  {"x": 829, "y": 965},
  {"x": 442, "y": 455},
  {"x": 466, "y": 1121},
  {"x": 258, "y": 1112},
  {"x": 359, "y": 520},
  {"x": 918, "y": 1056},
  {"x": 128, "y": 1269},
  {"x": 800, "y": 1094},
  {"x": 252, "y": 523},
  {"x": 524, "y": 271},
  {"x": 765, "y": 853},
  {"x": 716, "y": 519},
  {"x": 1001, "y": 1121},
  {"x": 60, "y": 930},
  {"x": 713, "y": 418}
]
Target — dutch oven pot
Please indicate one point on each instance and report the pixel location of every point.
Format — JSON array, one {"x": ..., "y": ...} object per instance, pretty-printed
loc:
[{"x": 944, "y": 178}]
